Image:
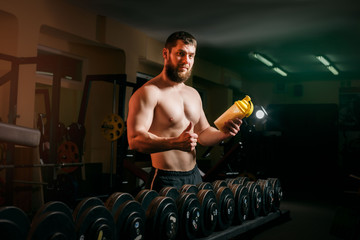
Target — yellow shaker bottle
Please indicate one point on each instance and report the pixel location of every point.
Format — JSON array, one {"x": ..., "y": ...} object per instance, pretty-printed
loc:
[{"x": 240, "y": 109}]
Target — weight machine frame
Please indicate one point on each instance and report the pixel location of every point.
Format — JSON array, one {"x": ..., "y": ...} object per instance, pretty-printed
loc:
[{"x": 121, "y": 143}]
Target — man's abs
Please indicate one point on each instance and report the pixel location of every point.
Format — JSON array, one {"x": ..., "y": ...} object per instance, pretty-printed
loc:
[{"x": 174, "y": 160}]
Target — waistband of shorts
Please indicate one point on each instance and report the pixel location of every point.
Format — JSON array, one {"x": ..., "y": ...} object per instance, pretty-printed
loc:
[{"x": 161, "y": 172}]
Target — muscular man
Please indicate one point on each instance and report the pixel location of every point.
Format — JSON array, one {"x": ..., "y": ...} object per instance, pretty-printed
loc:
[{"x": 166, "y": 118}]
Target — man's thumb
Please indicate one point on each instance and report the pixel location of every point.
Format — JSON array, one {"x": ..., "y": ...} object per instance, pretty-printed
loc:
[{"x": 188, "y": 128}]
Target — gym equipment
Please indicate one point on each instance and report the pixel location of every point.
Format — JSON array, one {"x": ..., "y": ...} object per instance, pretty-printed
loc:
[
  {"x": 205, "y": 185},
  {"x": 128, "y": 214},
  {"x": 188, "y": 207},
  {"x": 255, "y": 197},
  {"x": 209, "y": 211},
  {"x": 53, "y": 206},
  {"x": 241, "y": 196},
  {"x": 68, "y": 152},
  {"x": 278, "y": 193},
  {"x": 267, "y": 196},
  {"x": 52, "y": 221},
  {"x": 189, "y": 215},
  {"x": 112, "y": 127},
  {"x": 161, "y": 215},
  {"x": 14, "y": 224},
  {"x": 226, "y": 204},
  {"x": 242, "y": 180},
  {"x": 219, "y": 183},
  {"x": 93, "y": 220},
  {"x": 189, "y": 188}
]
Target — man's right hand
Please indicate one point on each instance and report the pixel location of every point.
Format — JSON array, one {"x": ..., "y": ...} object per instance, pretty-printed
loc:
[{"x": 187, "y": 140}]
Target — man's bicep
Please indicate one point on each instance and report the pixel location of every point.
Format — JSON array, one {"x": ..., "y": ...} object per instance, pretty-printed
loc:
[{"x": 140, "y": 115}]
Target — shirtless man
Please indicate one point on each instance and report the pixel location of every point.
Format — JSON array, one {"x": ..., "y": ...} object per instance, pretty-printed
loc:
[{"x": 166, "y": 118}]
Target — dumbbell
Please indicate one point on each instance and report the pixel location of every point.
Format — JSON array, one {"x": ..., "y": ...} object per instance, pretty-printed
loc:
[
  {"x": 267, "y": 196},
  {"x": 93, "y": 220},
  {"x": 52, "y": 221},
  {"x": 14, "y": 223},
  {"x": 278, "y": 193},
  {"x": 226, "y": 204},
  {"x": 161, "y": 215},
  {"x": 209, "y": 209},
  {"x": 241, "y": 196},
  {"x": 128, "y": 215},
  {"x": 188, "y": 207},
  {"x": 255, "y": 197}
]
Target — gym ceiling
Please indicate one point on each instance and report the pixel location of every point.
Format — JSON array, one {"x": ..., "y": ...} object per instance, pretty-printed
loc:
[{"x": 289, "y": 33}]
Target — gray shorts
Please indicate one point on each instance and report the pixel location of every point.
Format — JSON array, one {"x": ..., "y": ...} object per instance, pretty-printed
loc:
[{"x": 162, "y": 178}]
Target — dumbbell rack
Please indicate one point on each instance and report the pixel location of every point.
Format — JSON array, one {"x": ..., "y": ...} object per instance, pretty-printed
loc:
[{"x": 249, "y": 225}]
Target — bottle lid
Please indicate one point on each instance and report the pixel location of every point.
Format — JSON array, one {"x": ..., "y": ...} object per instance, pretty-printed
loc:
[{"x": 245, "y": 105}]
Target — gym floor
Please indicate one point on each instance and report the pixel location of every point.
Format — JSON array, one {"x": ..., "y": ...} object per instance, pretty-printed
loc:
[{"x": 310, "y": 219}]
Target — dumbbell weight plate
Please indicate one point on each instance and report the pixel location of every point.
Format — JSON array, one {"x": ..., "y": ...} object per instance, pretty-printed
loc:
[
  {"x": 205, "y": 185},
  {"x": 145, "y": 197},
  {"x": 116, "y": 199},
  {"x": 170, "y": 192},
  {"x": 189, "y": 188},
  {"x": 130, "y": 221},
  {"x": 267, "y": 196},
  {"x": 14, "y": 224},
  {"x": 96, "y": 222},
  {"x": 54, "y": 206},
  {"x": 243, "y": 180},
  {"x": 188, "y": 214},
  {"x": 226, "y": 205},
  {"x": 208, "y": 212},
  {"x": 255, "y": 197},
  {"x": 231, "y": 181},
  {"x": 278, "y": 193},
  {"x": 241, "y": 196},
  {"x": 52, "y": 225},
  {"x": 10, "y": 230},
  {"x": 219, "y": 183},
  {"x": 85, "y": 204},
  {"x": 162, "y": 219}
]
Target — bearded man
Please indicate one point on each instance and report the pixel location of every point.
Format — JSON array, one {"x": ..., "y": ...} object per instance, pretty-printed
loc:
[{"x": 166, "y": 118}]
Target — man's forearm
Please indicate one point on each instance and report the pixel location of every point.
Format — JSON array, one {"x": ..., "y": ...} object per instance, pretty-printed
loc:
[
  {"x": 211, "y": 136},
  {"x": 150, "y": 143}
]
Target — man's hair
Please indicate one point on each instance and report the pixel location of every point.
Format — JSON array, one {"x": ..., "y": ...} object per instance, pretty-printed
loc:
[{"x": 186, "y": 37}]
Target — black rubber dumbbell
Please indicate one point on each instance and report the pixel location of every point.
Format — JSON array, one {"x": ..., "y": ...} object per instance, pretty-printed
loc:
[
  {"x": 52, "y": 221},
  {"x": 14, "y": 223},
  {"x": 188, "y": 207},
  {"x": 278, "y": 193},
  {"x": 93, "y": 220},
  {"x": 226, "y": 204},
  {"x": 267, "y": 196},
  {"x": 128, "y": 215},
  {"x": 255, "y": 197},
  {"x": 161, "y": 215},
  {"x": 242, "y": 202}
]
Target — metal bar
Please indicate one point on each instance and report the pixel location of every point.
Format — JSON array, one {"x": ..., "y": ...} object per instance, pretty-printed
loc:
[
  {"x": 29, "y": 182},
  {"x": 112, "y": 143},
  {"x": 54, "y": 165}
]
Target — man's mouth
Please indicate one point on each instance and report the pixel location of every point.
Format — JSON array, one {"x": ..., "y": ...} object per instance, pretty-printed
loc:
[{"x": 182, "y": 68}]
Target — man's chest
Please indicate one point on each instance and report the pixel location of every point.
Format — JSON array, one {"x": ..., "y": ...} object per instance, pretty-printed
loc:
[{"x": 175, "y": 108}]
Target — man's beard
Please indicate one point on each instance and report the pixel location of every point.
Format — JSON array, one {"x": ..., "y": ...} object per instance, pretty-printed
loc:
[{"x": 174, "y": 75}]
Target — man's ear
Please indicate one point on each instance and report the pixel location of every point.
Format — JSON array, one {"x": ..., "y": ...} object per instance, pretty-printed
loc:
[{"x": 165, "y": 53}]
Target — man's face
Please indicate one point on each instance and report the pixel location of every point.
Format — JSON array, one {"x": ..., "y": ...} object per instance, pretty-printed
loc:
[{"x": 179, "y": 61}]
